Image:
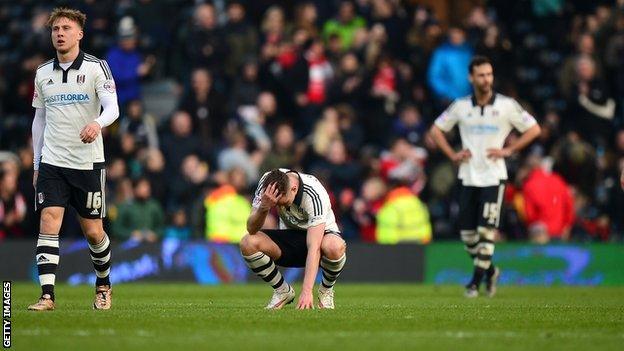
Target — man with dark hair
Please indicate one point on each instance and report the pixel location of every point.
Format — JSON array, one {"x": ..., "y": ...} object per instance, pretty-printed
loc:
[
  {"x": 484, "y": 120},
  {"x": 308, "y": 237},
  {"x": 74, "y": 99}
]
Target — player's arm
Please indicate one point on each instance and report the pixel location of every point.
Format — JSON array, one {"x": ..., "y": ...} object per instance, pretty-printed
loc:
[
  {"x": 107, "y": 93},
  {"x": 269, "y": 198},
  {"x": 313, "y": 240},
  {"x": 525, "y": 139},
  {"x": 440, "y": 139},
  {"x": 110, "y": 112},
  {"x": 38, "y": 126}
]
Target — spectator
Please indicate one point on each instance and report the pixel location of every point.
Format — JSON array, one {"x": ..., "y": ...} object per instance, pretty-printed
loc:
[
  {"x": 345, "y": 24},
  {"x": 141, "y": 218},
  {"x": 448, "y": 75},
  {"x": 403, "y": 218},
  {"x": 226, "y": 213},
  {"x": 185, "y": 189},
  {"x": 410, "y": 125},
  {"x": 548, "y": 202},
  {"x": 12, "y": 204},
  {"x": 179, "y": 142},
  {"x": 236, "y": 156},
  {"x": 127, "y": 63},
  {"x": 366, "y": 207},
  {"x": 206, "y": 107},
  {"x": 139, "y": 124},
  {"x": 205, "y": 46},
  {"x": 153, "y": 164},
  {"x": 282, "y": 154},
  {"x": 179, "y": 228},
  {"x": 246, "y": 87},
  {"x": 340, "y": 171},
  {"x": 592, "y": 107},
  {"x": 240, "y": 38}
]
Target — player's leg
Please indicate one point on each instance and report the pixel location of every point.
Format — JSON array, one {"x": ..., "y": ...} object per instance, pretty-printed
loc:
[
  {"x": 51, "y": 196},
  {"x": 100, "y": 253},
  {"x": 467, "y": 222},
  {"x": 491, "y": 202},
  {"x": 333, "y": 258},
  {"x": 260, "y": 253},
  {"x": 88, "y": 198}
]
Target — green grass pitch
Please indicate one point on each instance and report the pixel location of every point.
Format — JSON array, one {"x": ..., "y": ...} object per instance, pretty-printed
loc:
[{"x": 368, "y": 317}]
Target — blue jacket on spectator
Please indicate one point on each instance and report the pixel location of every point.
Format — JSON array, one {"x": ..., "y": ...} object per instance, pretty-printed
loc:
[
  {"x": 448, "y": 71},
  {"x": 125, "y": 65}
]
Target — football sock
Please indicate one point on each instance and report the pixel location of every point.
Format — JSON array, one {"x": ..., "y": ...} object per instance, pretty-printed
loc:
[
  {"x": 485, "y": 250},
  {"x": 331, "y": 270},
  {"x": 101, "y": 255},
  {"x": 47, "y": 258},
  {"x": 470, "y": 238},
  {"x": 264, "y": 267}
]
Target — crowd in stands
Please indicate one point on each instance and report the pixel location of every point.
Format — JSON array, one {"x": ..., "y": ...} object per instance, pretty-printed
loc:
[{"x": 344, "y": 90}]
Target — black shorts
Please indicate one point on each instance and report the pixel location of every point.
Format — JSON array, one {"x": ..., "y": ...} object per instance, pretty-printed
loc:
[
  {"x": 480, "y": 206},
  {"x": 292, "y": 243},
  {"x": 82, "y": 189}
]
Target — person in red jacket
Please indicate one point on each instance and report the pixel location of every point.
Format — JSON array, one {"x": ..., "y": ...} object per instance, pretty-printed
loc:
[{"x": 548, "y": 201}]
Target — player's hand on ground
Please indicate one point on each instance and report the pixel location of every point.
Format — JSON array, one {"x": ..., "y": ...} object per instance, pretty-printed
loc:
[
  {"x": 305, "y": 301},
  {"x": 35, "y": 175},
  {"x": 270, "y": 196},
  {"x": 462, "y": 156},
  {"x": 90, "y": 132},
  {"x": 498, "y": 153}
]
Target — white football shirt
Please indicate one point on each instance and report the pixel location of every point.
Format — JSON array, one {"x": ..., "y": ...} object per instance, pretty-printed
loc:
[
  {"x": 482, "y": 128},
  {"x": 310, "y": 208},
  {"x": 71, "y": 99}
]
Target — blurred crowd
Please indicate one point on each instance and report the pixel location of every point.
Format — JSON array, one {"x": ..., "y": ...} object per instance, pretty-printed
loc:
[{"x": 345, "y": 90}]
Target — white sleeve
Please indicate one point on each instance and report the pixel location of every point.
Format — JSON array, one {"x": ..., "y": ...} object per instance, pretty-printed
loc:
[
  {"x": 107, "y": 92},
  {"x": 110, "y": 110},
  {"x": 258, "y": 193},
  {"x": 37, "y": 101},
  {"x": 317, "y": 205},
  {"x": 520, "y": 118},
  {"x": 447, "y": 120},
  {"x": 38, "y": 126}
]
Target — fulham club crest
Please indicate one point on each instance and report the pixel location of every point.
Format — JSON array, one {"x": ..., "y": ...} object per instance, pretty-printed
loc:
[{"x": 80, "y": 79}]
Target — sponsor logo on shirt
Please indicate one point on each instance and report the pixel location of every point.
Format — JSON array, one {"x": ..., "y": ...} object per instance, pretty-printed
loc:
[
  {"x": 482, "y": 129},
  {"x": 67, "y": 99}
]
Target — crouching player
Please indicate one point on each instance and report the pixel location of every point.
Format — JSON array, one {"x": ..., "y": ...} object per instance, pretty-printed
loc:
[{"x": 308, "y": 237}]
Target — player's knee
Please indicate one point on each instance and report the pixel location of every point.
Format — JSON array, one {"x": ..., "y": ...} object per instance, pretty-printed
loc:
[
  {"x": 50, "y": 218},
  {"x": 249, "y": 244},
  {"x": 334, "y": 249}
]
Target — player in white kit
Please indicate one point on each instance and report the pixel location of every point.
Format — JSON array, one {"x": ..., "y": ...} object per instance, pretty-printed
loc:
[
  {"x": 70, "y": 91},
  {"x": 308, "y": 237},
  {"x": 484, "y": 119}
]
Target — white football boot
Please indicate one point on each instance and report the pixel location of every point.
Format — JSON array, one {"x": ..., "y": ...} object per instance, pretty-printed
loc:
[
  {"x": 281, "y": 299},
  {"x": 326, "y": 298}
]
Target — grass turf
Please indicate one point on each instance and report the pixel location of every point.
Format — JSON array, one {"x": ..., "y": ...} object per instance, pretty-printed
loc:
[{"x": 368, "y": 317}]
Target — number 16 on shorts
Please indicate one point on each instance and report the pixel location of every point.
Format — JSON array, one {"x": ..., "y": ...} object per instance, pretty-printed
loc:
[{"x": 94, "y": 199}]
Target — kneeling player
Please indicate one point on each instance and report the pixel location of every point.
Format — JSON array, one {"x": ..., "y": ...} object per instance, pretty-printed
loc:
[{"x": 308, "y": 236}]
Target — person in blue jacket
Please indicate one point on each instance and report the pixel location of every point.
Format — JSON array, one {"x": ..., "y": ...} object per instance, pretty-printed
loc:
[{"x": 447, "y": 75}]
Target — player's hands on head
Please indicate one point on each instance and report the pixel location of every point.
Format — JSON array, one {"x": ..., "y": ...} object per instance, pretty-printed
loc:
[
  {"x": 498, "y": 153},
  {"x": 305, "y": 301},
  {"x": 90, "y": 132},
  {"x": 270, "y": 196},
  {"x": 462, "y": 156}
]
